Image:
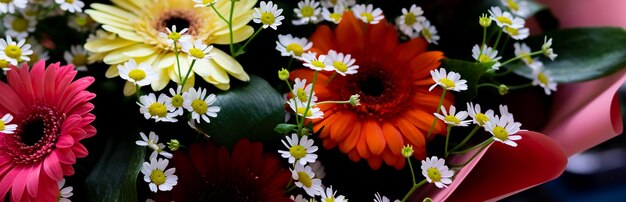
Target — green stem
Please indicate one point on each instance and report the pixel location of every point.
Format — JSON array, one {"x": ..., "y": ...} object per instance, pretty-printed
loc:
[
  {"x": 487, "y": 141},
  {"x": 519, "y": 57},
  {"x": 495, "y": 45},
  {"x": 289, "y": 63},
  {"x": 308, "y": 104},
  {"x": 230, "y": 26},
  {"x": 506, "y": 40},
  {"x": 447, "y": 139},
  {"x": 219, "y": 14},
  {"x": 466, "y": 138},
  {"x": 193, "y": 62},
  {"x": 248, "y": 41},
  {"x": 415, "y": 186},
  {"x": 520, "y": 86},
  {"x": 294, "y": 97},
  {"x": 333, "y": 102},
  {"x": 180, "y": 76},
  {"x": 137, "y": 91},
  {"x": 443, "y": 95},
  {"x": 482, "y": 44},
  {"x": 412, "y": 171},
  {"x": 488, "y": 85}
]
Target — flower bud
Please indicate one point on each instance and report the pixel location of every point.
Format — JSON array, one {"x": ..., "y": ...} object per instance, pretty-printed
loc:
[
  {"x": 173, "y": 144},
  {"x": 503, "y": 89},
  {"x": 354, "y": 100},
  {"x": 407, "y": 151},
  {"x": 283, "y": 74},
  {"x": 484, "y": 21}
]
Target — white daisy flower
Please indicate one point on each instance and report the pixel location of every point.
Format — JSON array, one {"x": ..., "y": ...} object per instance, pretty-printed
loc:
[
  {"x": 292, "y": 46},
  {"x": 329, "y": 195},
  {"x": 199, "y": 104},
  {"x": 151, "y": 107},
  {"x": 141, "y": 75},
  {"x": 451, "y": 81},
  {"x": 18, "y": 26},
  {"x": 522, "y": 50},
  {"x": 172, "y": 35},
  {"x": 342, "y": 64},
  {"x": 313, "y": 113},
  {"x": 300, "y": 150},
  {"x": 504, "y": 111},
  {"x": 152, "y": 142},
  {"x": 547, "y": 48},
  {"x": 316, "y": 63},
  {"x": 541, "y": 77},
  {"x": 158, "y": 178},
  {"x": 318, "y": 169},
  {"x": 504, "y": 129},
  {"x": 15, "y": 52},
  {"x": 204, "y": 3},
  {"x": 429, "y": 32},
  {"x": 453, "y": 118},
  {"x": 336, "y": 15},
  {"x": 367, "y": 13},
  {"x": 268, "y": 14},
  {"x": 505, "y": 18},
  {"x": 410, "y": 20},
  {"x": 477, "y": 116},
  {"x": 487, "y": 54},
  {"x": 381, "y": 198},
  {"x": 198, "y": 50},
  {"x": 5, "y": 127},
  {"x": 333, "y": 3},
  {"x": 64, "y": 193},
  {"x": 38, "y": 54},
  {"x": 71, "y": 5},
  {"x": 4, "y": 65},
  {"x": 298, "y": 198},
  {"x": 307, "y": 11},
  {"x": 77, "y": 55},
  {"x": 177, "y": 101},
  {"x": 517, "y": 33},
  {"x": 9, "y": 6},
  {"x": 82, "y": 22},
  {"x": 436, "y": 171},
  {"x": 301, "y": 91},
  {"x": 305, "y": 178},
  {"x": 517, "y": 7}
]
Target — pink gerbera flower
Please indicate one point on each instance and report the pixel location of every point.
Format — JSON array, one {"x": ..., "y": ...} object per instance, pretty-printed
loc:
[{"x": 52, "y": 116}]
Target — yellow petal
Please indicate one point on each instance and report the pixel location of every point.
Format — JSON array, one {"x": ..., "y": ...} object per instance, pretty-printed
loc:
[
  {"x": 107, "y": 19},
  {"x": 165, "y": 60},
  {"x": 104, "y": 45},
  {"x": 140, "y": 50},
  {"x": 117, "y": 56},
  {"x": 223, "y": 86},
  {"x": 238, "y": 36},
  {"x": 160, "y": 83},
  {"x": 210, "y": 80},
  {"x": 113, "y": 71},
  {"x": 185, "y": 61},
  {"x": 129, "y": 88},
  {"x": 189, "y": 83},
  {"x": 238, "y": 23},
  {"x": 210, "y": 68},
  {"x": 124, "y": 33},
  {"x": 114, "y": 11},
  {"x": 229, "y": 64},
  {"x": 96, "y": 57},
  {"x": 125, "y": 5}
]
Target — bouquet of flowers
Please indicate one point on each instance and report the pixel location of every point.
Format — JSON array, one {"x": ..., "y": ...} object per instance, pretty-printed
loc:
[{"x": 329, "y": 100}]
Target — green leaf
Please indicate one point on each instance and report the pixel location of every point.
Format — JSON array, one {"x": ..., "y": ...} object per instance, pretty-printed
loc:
[
  {"x": 114, "y": 178},
  {"x": 284, "y": 128},
  {"x": 250, "y": 110},
  {"x": 469, "y": 71},
  {"x": 583, "y": 53}
]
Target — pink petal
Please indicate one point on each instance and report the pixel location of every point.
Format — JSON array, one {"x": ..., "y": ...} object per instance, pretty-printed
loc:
[
  {"x": 66, "y": 156},
  {"x": 33, "y": 180},
  {"x": 49, "y": 85},
  {"x": 7, "y": 180},
  {"x": 9, "y": 101},
  {"x": 52, "y": 166},
  {"x": 68, "y": 170},
  {"x": 79, "y": 150},
  {"x": 37, "y": 79},
  {"x": 19, "y": 184},
  {"x": 65, "y": 141}
]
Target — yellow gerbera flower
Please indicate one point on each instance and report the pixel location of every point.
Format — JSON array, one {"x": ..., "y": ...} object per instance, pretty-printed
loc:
[{"x": 133, "y": 27}]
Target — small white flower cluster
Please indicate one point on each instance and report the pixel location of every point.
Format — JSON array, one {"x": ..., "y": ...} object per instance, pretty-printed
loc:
[
  {"x": 10, "y": 7},
  {"x": 167, "y": 108},
  {"x": 512, "y": 25},
  {"x": 541, "y": 76},
  {"x": 155, "y": 173},
  {"x": 197, "y": 49},
  {"x": 413, "y": 24}
]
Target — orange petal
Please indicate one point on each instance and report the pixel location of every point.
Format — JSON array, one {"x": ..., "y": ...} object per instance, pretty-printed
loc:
[
  {"x": 323, "y": 40},
  {"x": 341, "y": 128},
  {"x": 329, "y": 144},
  {"x": 414, "y": 136},
  {"x": 394, "y": 138},
  {"x": 375, "y": 162},
  {"x": 354, "y": 155},
  {"x": 425, "y": 62},
  {"x": 361, "y": 145},
  {"x": 349, "y": 33},
  {"x": 349, "y": 142},
  {"x": 375, "y": 138}
]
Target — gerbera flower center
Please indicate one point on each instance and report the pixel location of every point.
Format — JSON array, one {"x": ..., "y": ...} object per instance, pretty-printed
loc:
[
  {"x": 295, "y": 48},
  {"x": 342, "y": 67},
  {"x": 302, "y": 95},
  {"x": 500, "y": 133},
  {"x": 372, "y": 86},
  {"x": 36, "y": 135},
  {"x": 447, "y": 82},
  {"x": 297, "y": 151},
  {"x": 542, "y": 78},
  {"x": 20, "y": 24},
  {"x": 135, "y": 74},
  {"x": 512, "y": 4},
  {"x": 157, "y": 176},
  {"x": 368, "y": 16},
  {"x": 267, "y": 18},
  {"x": 13, "y": 51},
  {"x": 512, "y": 31},
  {"x": 434, "y": 174},
  {"x": 182, "y": 19},
  {"x": 302, "y": 109},
  {"x": 197, "y": 53},
  {"x": 305, "y": 179},
  {"x": 307, "y": 11},
  {"x": 199, "y": 106},
  {"x": 481, "y": 119},
  {"x": 177, "y": 100},
  {"x": 157, "y": 109},
  {"x": 504, "y": 20},
  {"x": 452, "y": 119},
  {"x": 410, "y": 18},
  {"x": 81, "y": 59}
]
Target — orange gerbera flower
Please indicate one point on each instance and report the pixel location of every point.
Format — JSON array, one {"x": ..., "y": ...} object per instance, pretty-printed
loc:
[{"x": 393, "y": 79}]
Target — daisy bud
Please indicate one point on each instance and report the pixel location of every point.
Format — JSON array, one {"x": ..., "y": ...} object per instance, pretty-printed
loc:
[
  {"x": 484, "y": 21},
  {"x": 354, "y": 100},
  {"x": 427, "y": 199},
  {"x": 503, "y": 89},
  {"x": 407, "y": 151},
  {"x": 173, "y": 144},
  {"x": 305, "y": 131},
  {"x": 283, "y": 74}
]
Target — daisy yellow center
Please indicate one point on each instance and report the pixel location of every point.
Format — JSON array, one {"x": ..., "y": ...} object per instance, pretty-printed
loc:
[
  {"x": 307, "y": 11},
  {"x": 336, "y": 16},
  {"x": 81, "y": 21},
  {"x": 329, "y": 200},
  {"x": 484, "y": 58},
  {"x": 481, "y": 118},
  {"x": 4, "y": 63},
  {"x": 267, "y": 18},
  {"x": 205, "y": 2},
  {"x": 542, "y": 78},
  {"x": 410, "y": 19},
  {"x": 426, "y": 33},
  {"x": 305, "y": 179},
  {"x": 6, "y": 1},
  {"x": 333, "y": 2},
  {"x": 500, "y": 133},
  {"x": 297, "y": 151},
  {"x": 302, "y": 95},
  {"x": 504, "y": 20},
  {"x": 81, "y": 59},
  {"x": 526, "y": 57},
  {"x": 295, "y": 48},
  {"x": 157, "y": 176},
  {"x": 69, "y": 1},
  {"x": 197, "y": 53},
  {"x": 447, "y": 83},
  {"x": 318, "y": 64},
  {"x": 302, "y": 109},
  {"x": 20, "y": 24},
  {"x": 177, "y": 101},
  {"x": 174, "y": 36},
  {"x": 434, "y": 174},
  {"x": 512, "y": 4},
  {"x": 157, "y": 109},
  {"x": 512, "y": 31},
  {"x": 1, "y": 125},
  {"x": 367, "y": 16},
  {"x": 135, "y": 74},
  {"x": 452, "y": 119},
  {"x": 342, "y": 67},
  {"x": 13, "y": 51},
  {"x": 199, "y": 106}
]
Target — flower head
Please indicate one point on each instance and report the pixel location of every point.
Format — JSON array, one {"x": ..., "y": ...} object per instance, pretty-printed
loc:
[
  {"x": 522, "y": 50},
  {"x": 82, "y": 22},
  {"x": 410, "y": 20},
  {"x": 505, "y": 19},
  {"x": 19, "y": 26},
  {"x": 301, "y": 91},
  {"x": 15, "y": 52},
  {"x": 157, "y": 109},
  {"x": 332, "y": 3},
  {"x": 477, "y": 116},
  {"x": 299, "y": 107},
  {"x": 9, "y": 6},
  {"x": 517, "y": 7},
  {"x": 381, "y": 198},
  {"x": 77, "y": 55},
  {"x": 173, "y": 35},
  {"x": 299, "y": 198},
  {"x": 486, "y": 54},
  {"x": 141, "y": 75},
  {"x": 429, "y": 32},
  {"x": 292, "y": 46},
  {"x": 199, "y": 104},
  {"x": 173, "y": 144},
  {"x": 5, "y": 127},
  {"x": 453, "y": 118},
  {"x": 307, "y": 11},
  {"x": 283, "y": 74},
  {"x": 177, "y": 101},
  {"x": 449, "y": 81},
  {"x": 436, "y": 171},
  {"x": 268, "y": 14},
  {"x": 484, "y": 21},
  {"x": 197, "y": 50},
  {"x": 157, "y": 176},
  {"x": 407, "y": 151},
  {"x": 367, "y": 13},
  {"x": 517, "y": 33},
  {"x": 329, "y": 195},
  {"x": 64, "y": 192},
  {"x": 504, "y": 129},
  {"x": 305, "y": 179},
  {"x": 152, "y": 142},
  {"x": 301, "y": 150},
  {"x": 542, "y": 77},
  {"x": 336, "y": 15},
  {"x": 317, "y": 63},
  {"x": 71, "y": 6},
  {"x": 342, "y": 64},
  {"x": 547, "y": 48}
]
